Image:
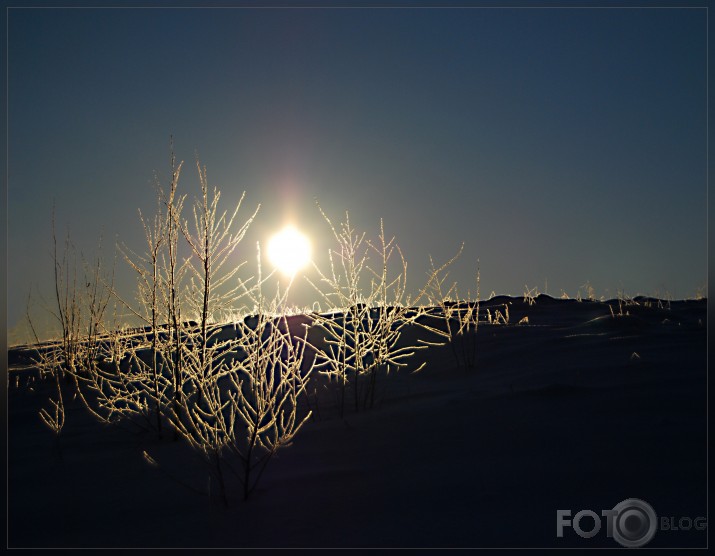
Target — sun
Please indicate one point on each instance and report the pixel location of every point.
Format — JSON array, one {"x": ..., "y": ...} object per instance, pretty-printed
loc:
[{"x": 289, "y": 250}]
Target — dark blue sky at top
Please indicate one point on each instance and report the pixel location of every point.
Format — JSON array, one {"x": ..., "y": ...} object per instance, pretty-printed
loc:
[{"x": 560, "y": 145}]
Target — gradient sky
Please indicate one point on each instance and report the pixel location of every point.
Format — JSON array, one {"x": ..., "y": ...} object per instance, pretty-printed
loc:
[{"x": 561, "y": 145}]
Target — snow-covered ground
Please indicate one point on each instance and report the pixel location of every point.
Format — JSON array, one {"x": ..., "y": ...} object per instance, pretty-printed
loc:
[{"x": 575, "y": 410}]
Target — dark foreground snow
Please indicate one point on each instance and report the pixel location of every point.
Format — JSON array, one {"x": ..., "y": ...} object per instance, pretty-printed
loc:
[{"x": 576, "y": 410}]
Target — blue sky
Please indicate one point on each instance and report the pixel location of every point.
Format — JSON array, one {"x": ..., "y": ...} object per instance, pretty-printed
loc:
[{"x": 561, "y": 145}]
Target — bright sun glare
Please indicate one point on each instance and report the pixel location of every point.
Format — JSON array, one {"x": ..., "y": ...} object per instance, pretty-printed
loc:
[{"x": 289, "y": 250}]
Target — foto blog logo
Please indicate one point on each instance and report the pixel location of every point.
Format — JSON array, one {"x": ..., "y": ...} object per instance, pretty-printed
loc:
[{"x": 631, "y": 523}]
